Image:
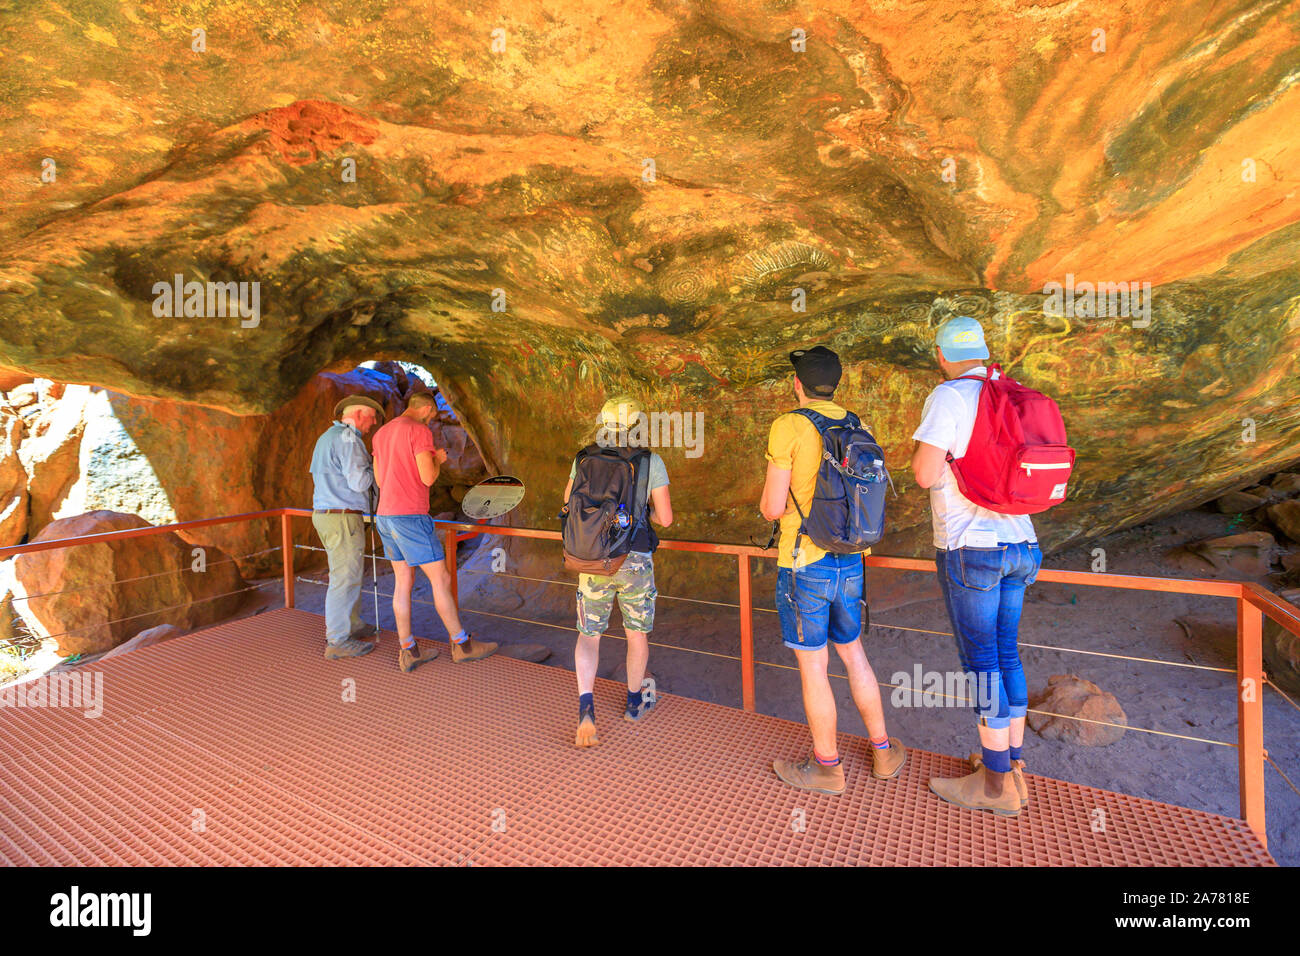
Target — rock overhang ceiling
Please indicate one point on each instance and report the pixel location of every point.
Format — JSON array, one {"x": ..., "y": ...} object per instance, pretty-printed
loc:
[{"x": 915, "y": 160}]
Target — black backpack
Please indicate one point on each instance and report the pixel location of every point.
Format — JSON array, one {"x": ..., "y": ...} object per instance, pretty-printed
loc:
[
  {"x": 608, "y": 484},
  {"x": 847, "y": 513}
]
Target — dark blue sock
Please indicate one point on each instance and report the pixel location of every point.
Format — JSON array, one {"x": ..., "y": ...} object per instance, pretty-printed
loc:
[
  {"x": 1015, "y": 752},
  {"x": 633, "y": 699},
  {"x": 586, "y": 702},
  {"x": 998, "y": 761}
]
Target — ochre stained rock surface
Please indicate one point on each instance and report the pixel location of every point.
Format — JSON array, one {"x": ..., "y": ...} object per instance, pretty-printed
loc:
[{"x": 644, "y": 191}]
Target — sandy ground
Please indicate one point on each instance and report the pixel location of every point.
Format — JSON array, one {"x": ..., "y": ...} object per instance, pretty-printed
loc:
[{"x": 1176, "y": 700}]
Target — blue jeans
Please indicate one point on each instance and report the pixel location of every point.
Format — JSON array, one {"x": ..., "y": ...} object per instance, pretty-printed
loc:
[
  {"x": 820, "y": 601},
  {"x": 984, "y": 589}
]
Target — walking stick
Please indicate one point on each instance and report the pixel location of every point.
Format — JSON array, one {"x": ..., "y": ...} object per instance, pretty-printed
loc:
[{"x": 374, "y": 559}]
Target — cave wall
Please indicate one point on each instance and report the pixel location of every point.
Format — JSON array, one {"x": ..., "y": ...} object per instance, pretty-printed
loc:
[{"x": 914, "y": 161}]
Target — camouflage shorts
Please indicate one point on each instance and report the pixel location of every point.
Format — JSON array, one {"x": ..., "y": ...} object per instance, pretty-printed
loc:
[{"x": 633, "y": 585}]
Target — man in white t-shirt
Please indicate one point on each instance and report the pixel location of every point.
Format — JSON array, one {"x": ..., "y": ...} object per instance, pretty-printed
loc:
[{"x": 985, "y": 560}]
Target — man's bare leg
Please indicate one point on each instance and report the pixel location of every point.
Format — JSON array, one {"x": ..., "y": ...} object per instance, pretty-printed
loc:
[
  {"x": 818, "y": 700},
  {"x": 638, "y": 656},
  {"x": 586, "y": 658},
  {"x": 403, "y": 579},
  {"x": 863, "y": 686},
  {"x": 463, "y": 647},
  {"x": 821, "y": 771},
  {"x": 440, "y": 581},
  {"x": 409, "y": 656},
  {"x": 887, "y": 756}
]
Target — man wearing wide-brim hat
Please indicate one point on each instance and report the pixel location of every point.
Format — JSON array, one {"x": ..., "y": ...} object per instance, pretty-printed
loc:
[{"x": 343, "y": 475}]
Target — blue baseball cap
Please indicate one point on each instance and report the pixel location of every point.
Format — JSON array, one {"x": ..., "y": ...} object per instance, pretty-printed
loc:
[{"x": 961, "y": 338}]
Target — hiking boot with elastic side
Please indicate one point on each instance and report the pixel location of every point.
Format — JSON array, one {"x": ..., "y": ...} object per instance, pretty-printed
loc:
[
  {"x": 586, "y": 733},
  {"x": 409, "y": 658},
  {"x": 981, "y": 790},
  {"x": 808, "y": 774},
  {"x": 472, "y": 650},
  {"x": 887, "y": 764},
  {"x": 347, "y": 648},
  {"x": 637, "y": 712},
  {"x": 1017, "y": 774}
]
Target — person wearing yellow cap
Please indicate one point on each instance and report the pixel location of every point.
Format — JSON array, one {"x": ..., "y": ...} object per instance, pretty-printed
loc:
[{"x": 616, "y": 488}]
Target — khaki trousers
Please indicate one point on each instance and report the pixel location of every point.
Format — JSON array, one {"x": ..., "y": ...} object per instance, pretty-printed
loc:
[{"x": 344, "y": 538}]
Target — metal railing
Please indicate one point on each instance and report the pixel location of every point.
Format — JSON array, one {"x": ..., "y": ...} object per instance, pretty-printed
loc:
[{"x": 1252, "y": 601}]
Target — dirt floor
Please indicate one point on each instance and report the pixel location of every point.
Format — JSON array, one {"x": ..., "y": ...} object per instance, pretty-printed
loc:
[{"x": 695, "y": 651}]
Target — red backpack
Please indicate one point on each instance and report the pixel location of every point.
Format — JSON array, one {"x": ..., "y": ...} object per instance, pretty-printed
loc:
[{"x": 1017, "y": 462}]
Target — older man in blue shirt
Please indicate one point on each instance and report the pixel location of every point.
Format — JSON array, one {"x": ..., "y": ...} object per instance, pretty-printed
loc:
[{"x": 343, "y": 474}]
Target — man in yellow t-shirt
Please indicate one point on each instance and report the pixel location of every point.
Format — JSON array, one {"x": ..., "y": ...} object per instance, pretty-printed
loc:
[{"x": 819, "y": 595}]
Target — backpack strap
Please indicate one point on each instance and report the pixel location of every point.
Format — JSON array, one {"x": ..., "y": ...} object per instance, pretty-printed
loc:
[
  {"x": 982, "y": 379},
  {"x": 991, "y": 372},
  {"x": 821, "y": 422},
  {"x": 641, "y": 496}
]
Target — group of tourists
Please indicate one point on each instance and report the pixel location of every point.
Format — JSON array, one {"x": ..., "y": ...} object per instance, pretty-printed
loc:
[
  {"x": 403, "y": 469},
  {"x": 990, "y": 450}
]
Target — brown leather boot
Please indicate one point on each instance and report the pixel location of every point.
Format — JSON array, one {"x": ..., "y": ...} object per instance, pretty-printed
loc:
[
  {"x": 888, "y": 763},
  {"x": 1017, "y": 774},
  {"x": 409, "y": 658},
  {"x": 471, "y": 650},
  {"x": 347, "y": 648},
  {"x": 808, "y": 774},
  {"x": 981, "y": 790}
]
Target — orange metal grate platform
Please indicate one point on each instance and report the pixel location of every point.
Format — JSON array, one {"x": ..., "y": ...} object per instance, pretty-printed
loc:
[{"x": 235, "y": 746}]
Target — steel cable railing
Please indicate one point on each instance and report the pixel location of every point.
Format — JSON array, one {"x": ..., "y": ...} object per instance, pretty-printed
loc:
[
  {"x": 884, "y": 684},
  {"x": 768, "y": 610},
  {"x": 141, "y": 577},
  {"x": 1252, "y": 603},
  {"x": 17, "y": 641},
  {"x": 161, "y": 610},
  {"x": 789, "y": 667}
]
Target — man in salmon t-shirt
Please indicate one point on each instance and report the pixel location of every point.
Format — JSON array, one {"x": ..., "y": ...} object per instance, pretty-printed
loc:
[{"x": 406, "y": 466}]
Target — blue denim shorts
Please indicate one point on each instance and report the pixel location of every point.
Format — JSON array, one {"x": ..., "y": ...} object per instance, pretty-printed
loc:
[
  {"x": 821, "y": 601},
  {"x": 409, "y": 538}
]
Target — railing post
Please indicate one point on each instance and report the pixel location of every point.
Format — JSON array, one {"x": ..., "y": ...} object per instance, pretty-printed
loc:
[
  {"x": 1250, "y": 715},
  {"x": 746, "y": 636},
  {"x": 449, "y": 546},
  {"x": 286, "y": 556}
]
